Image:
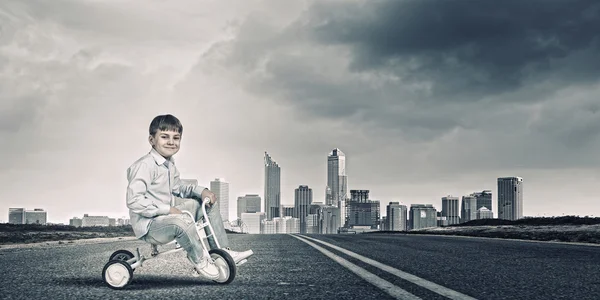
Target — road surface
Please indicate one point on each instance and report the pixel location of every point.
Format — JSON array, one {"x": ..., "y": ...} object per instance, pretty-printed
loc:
[{"x": 374, "y": 266}]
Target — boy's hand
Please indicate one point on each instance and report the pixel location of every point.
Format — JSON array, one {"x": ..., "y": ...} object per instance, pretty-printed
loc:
[
  {"x": 174, "y": 211},
  {"x": 209, "y": 194}
]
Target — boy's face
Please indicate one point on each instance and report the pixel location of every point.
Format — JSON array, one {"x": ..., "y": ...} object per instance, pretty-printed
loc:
[{"x": 166, "y": 143}]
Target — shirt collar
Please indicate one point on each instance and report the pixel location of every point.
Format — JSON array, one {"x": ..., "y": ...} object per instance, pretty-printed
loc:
[{"x": 159, "y": 159}]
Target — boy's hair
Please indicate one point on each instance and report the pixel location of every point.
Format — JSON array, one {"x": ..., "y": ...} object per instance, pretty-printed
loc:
[{"x": 165, "y": 123}]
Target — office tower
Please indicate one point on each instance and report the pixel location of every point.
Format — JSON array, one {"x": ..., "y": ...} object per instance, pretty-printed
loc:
[
  {"x": 337, "y": 181},
  {"x": 396, "y": 216},
  {"x": 363, "y": 214},
  {"x": 36, "y": 216},
  {"x": 221, "y": 189},
  {"x": 16, "y": 215},
  {"x": 302, "y": 201},
  {"x": 250, "y": 203},
  {"x": 272, "y": 188},
  {"x": 422, "y": 216},
  {"x": 484, "y": 213},
  {"x": 510, "y": 198},
  {"x": 468, "y": 210},
  {"x": 252, "y": 222},
  {"x": 450, "y": 210},
  {"x": 484, "y": 199}
]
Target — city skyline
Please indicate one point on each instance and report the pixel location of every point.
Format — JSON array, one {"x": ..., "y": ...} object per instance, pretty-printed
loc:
[
  {"x": 271, "y": 164},
  {"x": 426, "y": 99}
]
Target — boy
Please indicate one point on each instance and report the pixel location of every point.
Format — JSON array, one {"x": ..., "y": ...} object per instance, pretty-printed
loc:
[{"x": 156, "y": 196}]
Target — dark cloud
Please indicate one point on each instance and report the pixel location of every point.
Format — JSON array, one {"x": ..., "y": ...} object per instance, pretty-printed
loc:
[
  {"x": 470, "y": 48},
  {"x": 462, "y": 83}
]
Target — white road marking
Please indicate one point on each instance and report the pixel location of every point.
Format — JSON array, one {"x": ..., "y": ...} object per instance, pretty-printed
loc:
[
  {"x": 377, "y": 281},
  {"x": 436, "y": 288}
]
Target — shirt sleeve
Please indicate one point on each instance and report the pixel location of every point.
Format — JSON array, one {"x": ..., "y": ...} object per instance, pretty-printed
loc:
[
  {"x": 185, "y": 190},
  {"x": 139, "y": 177}
]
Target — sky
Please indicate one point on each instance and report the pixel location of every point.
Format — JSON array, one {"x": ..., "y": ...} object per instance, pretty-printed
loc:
[{"x": 425, "y": 98}]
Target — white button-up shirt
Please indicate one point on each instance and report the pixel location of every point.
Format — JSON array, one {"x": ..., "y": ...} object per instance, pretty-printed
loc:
[{"x": 151, "y": 188}]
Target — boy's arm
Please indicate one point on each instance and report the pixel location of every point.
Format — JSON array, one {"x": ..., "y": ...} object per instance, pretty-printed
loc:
[
  {"x": 139, "y": 177},
  {"x": 184, "y": 190}
]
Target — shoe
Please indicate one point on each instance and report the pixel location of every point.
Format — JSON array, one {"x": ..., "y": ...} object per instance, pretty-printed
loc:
[
  {"x": 239, "y": 256},
  {"x": 207, "y": 268}
]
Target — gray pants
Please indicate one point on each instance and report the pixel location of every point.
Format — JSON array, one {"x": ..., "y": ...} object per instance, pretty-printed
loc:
[{"x": 166, "y": 228}]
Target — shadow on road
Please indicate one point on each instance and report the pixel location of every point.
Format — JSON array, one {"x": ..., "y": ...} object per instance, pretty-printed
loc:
[{"x": 145, "y": 282}]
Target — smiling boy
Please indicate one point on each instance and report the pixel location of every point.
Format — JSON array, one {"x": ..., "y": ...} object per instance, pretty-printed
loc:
[{"x": 156, "y": 197}]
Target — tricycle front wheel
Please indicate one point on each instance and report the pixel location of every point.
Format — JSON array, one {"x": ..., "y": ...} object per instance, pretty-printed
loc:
[{"x": 226, "y": 265}]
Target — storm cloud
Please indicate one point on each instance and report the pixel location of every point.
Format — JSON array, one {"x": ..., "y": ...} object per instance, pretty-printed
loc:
[{"x": 492, "y": 75}]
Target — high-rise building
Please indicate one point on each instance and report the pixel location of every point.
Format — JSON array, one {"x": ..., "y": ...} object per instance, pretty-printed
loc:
[
  {"x": 337, "y": 183},
  {"x": 484, "y": 199},
  {"x": 396, "y": 216},
  {"x": 36, "y": 216},
  {"x": 450, "y": 209},
  {"x": 363, "y": 214},
  {"x": 510, "y": 198},
  {"x": 468, "y": 210},
  {"x": 302, "y": 201},
  {"x": 250, "y": 203},
  {"x": 422, "y": 216},
  {"x": 16, "y": 215},
  {"x": 272, "y": 188},
  {"x": 221, "y": 189}
]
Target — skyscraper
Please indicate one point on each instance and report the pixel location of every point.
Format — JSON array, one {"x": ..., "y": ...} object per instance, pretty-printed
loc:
[
  {"x": 510, "y": 198},
  {"x": 221, "y": 189},
  {"x": 302, "y": 201},
  {"x": 250, "y": 203},
  {"x": 450, "y": 209},
  {"x": 272, "y": 188},
  {"x": 337, "y": 182},
  {"x": 484, "y": 199},
  {"x": 361, "y": 211},
  {"x": 422, "y": 216},
  {"x": 468, "y": 210},
  {"x": 396, "y": 216}
]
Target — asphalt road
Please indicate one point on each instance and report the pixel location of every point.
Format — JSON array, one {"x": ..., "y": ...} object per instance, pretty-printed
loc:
[{"x": 289, "y": 267}]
